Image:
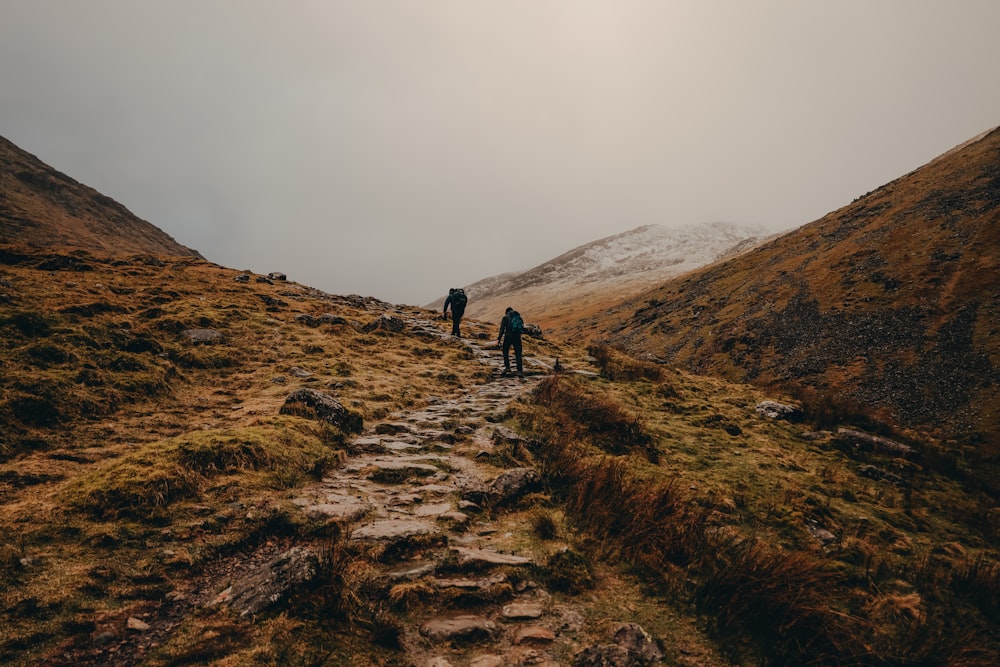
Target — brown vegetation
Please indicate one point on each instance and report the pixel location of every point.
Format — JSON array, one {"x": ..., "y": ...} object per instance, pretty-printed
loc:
[
  {"x": 887, "y": 303},
  {"x": 880, "y": 591}
]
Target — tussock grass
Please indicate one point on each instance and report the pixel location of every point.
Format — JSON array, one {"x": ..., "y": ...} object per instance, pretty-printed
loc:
[
  {"x": 148, "y": 480},
  {"x": 617, "y": 366},
  {"x": 725, "y": 524},
  {"x": 158, "y": 456},
  {"x": 608, "y": 425}
]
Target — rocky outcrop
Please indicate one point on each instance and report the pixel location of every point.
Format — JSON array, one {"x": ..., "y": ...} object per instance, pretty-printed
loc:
[
  {"x": 858, "y": 441},
  {"x": 775, "y": 410},
  {"x": 315, "y": 404},
  {"x": 271, "y": 583},
  {"x": 385, "y": 324},
  {"x": 505, "y": 489},
  {"x": 202, "y": 335},
  {"x": 633, "y": 647}
]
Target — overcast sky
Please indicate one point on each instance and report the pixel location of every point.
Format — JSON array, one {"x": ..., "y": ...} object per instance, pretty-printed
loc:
[{"x": 396, "y": 148}]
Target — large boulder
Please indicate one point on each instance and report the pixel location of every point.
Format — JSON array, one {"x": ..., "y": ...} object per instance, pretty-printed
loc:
[
  {"x": 507, "y": 488},
  {"x": 385, "y": 324},
  {"x": 315, "y": 404}
]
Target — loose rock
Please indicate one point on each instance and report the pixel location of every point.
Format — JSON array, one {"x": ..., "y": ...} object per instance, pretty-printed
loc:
[{"x": 458, "y": 628}]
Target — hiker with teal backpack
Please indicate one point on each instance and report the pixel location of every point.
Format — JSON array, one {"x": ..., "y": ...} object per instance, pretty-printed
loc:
[
  {"x": 511, "y": 328},
  {"x": 457, "y": 300}
]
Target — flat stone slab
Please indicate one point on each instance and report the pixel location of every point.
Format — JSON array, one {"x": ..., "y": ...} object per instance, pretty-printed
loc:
[
  {"x": 434, "y": 489},
  {"x": 202, "y": 335},
  {"x": 366, "y": 444},
  {"x": 399, "y": 446},
  {"x": 404, "y": 500},
  {"x": 471, "y": 584},
  {"x": 463, "y": 628},
  {"x": 393, "y": 529},
  {"x": 470, "y": 556},
  {"x": 521, "y": 611},
  {"x": 487, "y": 661},
  {"x": 455, "y": 518},
  {"x": 392, "y": 428},
  {"x": 398, "y": 471},
  {"x": 432, "y": 509},
  {"x": 533, "y": 634},
  {"x": 415, "y": 572},
  {"x": 347, "y": 511}
]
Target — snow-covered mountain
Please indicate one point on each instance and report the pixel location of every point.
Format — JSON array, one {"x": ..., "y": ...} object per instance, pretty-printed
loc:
[{"x": 611, "y": 268}]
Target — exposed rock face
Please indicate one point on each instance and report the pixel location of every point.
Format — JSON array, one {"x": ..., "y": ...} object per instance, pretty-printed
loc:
[
  {"x": 385, "y": 324},
  {"x": 316, "y": 404},
  {"x": 604, "y": 655},
  {"x": 506, "y": 488},
  {"x": 202, "y": 335},
  {"x": 639, "y": 643},
  {"x": 271, "y": 583},
  {"x": 866, "y": 442},
  {"x": 775, "y": 410},
  {"x": 633, "y": 648}
]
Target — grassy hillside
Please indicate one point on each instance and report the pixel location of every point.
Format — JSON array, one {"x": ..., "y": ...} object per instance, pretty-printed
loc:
[
  {"x": 44, "y": 208},
  {"x": 888, "y": 305},
  {"x": 151, "y": 462},
  {"x": 145, "y": 459},
  {"x": 795, "y": 546},
  {"x": 133, "y": 456}
]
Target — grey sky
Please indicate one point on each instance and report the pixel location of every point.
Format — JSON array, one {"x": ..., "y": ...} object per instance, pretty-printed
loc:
[{"x": 396, "y": 148}]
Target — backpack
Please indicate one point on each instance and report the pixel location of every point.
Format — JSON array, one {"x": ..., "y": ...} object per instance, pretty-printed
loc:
[
  {"x": 516, "y": 323},
  {"x": 458, "y": 299}
]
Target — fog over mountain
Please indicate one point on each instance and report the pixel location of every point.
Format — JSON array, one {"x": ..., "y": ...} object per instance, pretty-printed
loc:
[
  {"x": 608, "y": 268},
  {"x": 394, "y": 149}
]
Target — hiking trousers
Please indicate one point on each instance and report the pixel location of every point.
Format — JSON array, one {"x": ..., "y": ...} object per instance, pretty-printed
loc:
[
  {"x": 456, "y": 317},
  {"x": 512, "y": 341}
]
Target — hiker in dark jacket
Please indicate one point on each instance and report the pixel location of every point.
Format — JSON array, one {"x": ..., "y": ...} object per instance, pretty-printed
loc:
[
  {"x": 511, "y": 327},
  {"x": 457, "y": 300}
]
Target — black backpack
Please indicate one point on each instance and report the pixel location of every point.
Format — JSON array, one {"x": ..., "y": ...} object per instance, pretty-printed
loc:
[{"x": 458, "y": 299}]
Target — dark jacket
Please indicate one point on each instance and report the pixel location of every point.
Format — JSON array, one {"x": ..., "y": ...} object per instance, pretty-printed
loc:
[
  {"x": 457, "y": 308},
  {"x": 505, "y": 326}
]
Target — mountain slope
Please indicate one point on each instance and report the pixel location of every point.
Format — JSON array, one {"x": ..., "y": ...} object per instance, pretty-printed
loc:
[
  {"x": 42, "y": 207},
  {"x": 608, "y": 268},
  {"x": 201, "y": 466},
  {"x": 890, "y": 303}
]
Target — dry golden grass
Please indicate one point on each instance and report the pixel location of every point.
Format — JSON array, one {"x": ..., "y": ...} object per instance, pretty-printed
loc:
[
  {"x": 884, "y": 303},
  {"x": 131, "y": 458},
  {"x": 780, "y": 541},
  {"x": 135, "y": 460}
]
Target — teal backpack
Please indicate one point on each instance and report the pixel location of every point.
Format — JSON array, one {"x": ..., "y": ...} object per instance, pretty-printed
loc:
[{"x": 516, "y": 323}]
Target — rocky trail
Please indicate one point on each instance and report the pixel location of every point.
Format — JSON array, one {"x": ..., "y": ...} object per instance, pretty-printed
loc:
[{"x": 430, "y": 492}]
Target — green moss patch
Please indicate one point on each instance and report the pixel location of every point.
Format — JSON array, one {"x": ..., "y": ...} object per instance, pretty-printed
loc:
[{"x": 144, "y": 483}]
